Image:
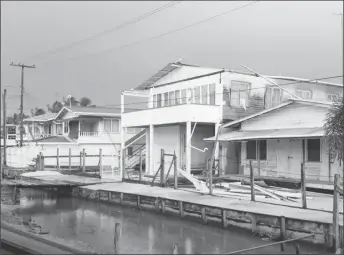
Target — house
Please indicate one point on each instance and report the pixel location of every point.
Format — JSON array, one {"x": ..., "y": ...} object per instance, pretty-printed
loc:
[
  {"x": 277, "y": 140},
  {"x": 78, "y": 128},
  {"x": 187, "y": 103}
]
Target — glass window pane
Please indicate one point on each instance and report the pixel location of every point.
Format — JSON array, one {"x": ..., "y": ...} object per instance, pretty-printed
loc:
[
  {"x": 154, "y": 101},
  {"x": 178, "y": 99},
  {"x": 204, "y": 92},
  {"x": 183, "y": 96},
  {"x": 115, "y": 126},
  {"x": 107, "y": 125},
  {"x": 197, "y": 95},
  {"x": 159, "y": 100},
  {"x": 171, "y": 97},
  {"x": 166, "y": 99},
  {"x": 212, "y": 93}
]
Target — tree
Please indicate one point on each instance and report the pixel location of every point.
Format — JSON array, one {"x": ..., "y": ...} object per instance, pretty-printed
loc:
[
  {"x": 15, "y": 118},
  {"x": 56, "y": 107},
  {"x": 334, "y": 131},
  {"x": 85, "y": 101},
  {"x": 37, "y": 111}
]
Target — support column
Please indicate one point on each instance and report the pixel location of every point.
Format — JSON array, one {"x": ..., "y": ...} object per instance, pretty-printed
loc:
[
  {"x": 188, "y": 148},
  {"x": 122, "y": 155},
  {"x": 217, "y": 151},
  {"x": 147, "y": 167},
  {"x": 151, "y": 147}
]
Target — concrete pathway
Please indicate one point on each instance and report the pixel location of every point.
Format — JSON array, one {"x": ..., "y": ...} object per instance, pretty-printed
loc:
[
  {"x": 28, "y": 243},
  {"x": 216, "y": 201}
]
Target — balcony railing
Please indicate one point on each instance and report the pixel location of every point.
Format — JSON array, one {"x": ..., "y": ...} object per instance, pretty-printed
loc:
[{"x": 89, "y": 133}]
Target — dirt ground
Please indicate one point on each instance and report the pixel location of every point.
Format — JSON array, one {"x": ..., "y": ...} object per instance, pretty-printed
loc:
[{"x": 26, "y": 224}]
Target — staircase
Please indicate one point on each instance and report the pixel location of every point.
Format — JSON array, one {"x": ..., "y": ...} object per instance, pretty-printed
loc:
[{"x": 134, "y": 160}]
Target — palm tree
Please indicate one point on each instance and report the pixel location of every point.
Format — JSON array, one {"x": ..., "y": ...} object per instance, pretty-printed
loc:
[{"x": 334, "y": 131}]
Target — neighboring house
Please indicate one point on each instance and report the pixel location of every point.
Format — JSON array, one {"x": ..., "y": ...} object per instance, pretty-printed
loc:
[
  {"x": 78, "y": 128},
  {"x": 273, "y": 139},
  {"x": 186, "y": 104}
]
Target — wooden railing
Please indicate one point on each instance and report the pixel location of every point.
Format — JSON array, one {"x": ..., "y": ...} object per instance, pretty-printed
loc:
[{"x": 89, "y": 133}]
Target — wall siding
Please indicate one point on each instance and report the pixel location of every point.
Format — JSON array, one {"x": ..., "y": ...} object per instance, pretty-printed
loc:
[
  {"x": 278, "y": 164},
  {"x": 291, "y": 116}
]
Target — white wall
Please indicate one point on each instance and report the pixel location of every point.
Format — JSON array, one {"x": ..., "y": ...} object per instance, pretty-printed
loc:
[
  {"x": 295, "y": 115},
  {"x": 284, "y": 158},
  {"x": 167, "y": 138}
]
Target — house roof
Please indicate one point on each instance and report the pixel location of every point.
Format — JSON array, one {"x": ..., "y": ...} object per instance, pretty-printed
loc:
[
  {"x": 95, "y": 110},
  {"x": 53, "y": 139},
  {"x": 172, "y": 66},
  {"x": 305, "y": 80},
  {"x": 290, "y": 101},
  {"x": 41, "y": 118},
  {"x": 166, "y": 70},
  {"x": 269, "y": 134}
]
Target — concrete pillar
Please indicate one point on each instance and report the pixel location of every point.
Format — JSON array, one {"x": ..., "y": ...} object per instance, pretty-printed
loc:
[
  {"x": 147, "y": 150},
  {"x": 151, "y": 147},
  {"x": 217, "y": 125},
  {"x": 188, "y": 148}
]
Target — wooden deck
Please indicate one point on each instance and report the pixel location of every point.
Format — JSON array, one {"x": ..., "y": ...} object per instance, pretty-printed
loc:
[{"x": 37, "y": 183}]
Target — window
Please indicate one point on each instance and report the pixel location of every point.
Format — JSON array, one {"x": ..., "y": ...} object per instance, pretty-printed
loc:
[
  {"x": 313, "y": 150},
  {"x": 183, "y": 96},
  {"x": 166, "y": 99},
  {"x": 304, "y": 94},
  {"x": 178, "y": 99},
  {"x": 190, "y": 97},
  {"x": 239, "y": 92},
  {"x": 273, "y": 96},
  {"x": 66, "y": 127},
  {"x": 171, "y": 97},
  {"x": 212, "y": 94},
  {"x": 59, "y": 129},
  {"x": 204, "y": 94},
  {"x": 111, "y": 125},
  {"x": 159, "y": 100},
  {"x": 333, "y": 97},
  {"x": 155, "y": 103},
  {"x": 252, "y": 152},
  {"x": 197, "y": 95}
]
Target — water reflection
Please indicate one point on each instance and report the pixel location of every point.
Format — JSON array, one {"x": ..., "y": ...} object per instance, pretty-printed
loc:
[{"x": 141, "y": 232}]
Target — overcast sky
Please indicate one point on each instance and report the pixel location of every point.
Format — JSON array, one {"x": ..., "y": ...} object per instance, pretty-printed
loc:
[{"x": 299, "y": 39}]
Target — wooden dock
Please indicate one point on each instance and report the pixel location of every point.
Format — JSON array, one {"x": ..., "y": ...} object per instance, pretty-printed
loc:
[{"x": 37, "y": 183}]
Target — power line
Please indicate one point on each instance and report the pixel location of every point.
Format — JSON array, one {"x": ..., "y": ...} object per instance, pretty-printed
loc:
[
  {"x": 166, "y": 33},
  {"x": 239, "y": 90},
  {"x": 71, "y": 45}
]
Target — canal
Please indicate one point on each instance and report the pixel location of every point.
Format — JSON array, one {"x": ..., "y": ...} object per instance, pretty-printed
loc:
[{"x": 141, "y": 231}]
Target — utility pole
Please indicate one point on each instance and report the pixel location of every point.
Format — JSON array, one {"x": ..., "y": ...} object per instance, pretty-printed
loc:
[
  {"x": 4, "y": 126},
  {"x": 22, "y": 98}
]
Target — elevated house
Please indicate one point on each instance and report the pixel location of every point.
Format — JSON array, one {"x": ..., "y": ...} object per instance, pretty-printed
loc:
[
  {"x": 78, "y": 128},
  {"x": 277, "y": 140},
  {"x": 187, "y": 103}
]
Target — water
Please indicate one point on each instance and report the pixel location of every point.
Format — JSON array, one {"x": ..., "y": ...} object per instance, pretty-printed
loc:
[{"x": 142, "y": 232}]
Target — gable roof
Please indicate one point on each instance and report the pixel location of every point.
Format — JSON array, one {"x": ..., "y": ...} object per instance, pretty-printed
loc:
[
  {"x": 91, "y": 111},
  {"x": 41, "y": 118},
  {"x": 290, "y": 101},
  {"x": 161, "y": 73}
]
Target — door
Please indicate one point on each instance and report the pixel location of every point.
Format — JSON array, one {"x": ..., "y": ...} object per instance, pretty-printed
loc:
[
  {"x": 233, "y": 155},
  {"x": 294, "y": 158}
]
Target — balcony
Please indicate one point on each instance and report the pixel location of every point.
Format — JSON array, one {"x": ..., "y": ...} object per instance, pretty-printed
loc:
[
  {"x": 89, "y": 133},
  {"x": 173, "y": 114}
]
